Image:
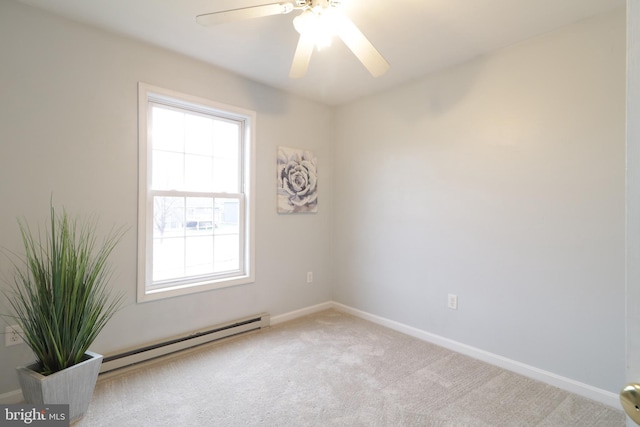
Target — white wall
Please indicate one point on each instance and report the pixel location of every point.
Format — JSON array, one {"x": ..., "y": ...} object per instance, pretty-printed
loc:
[
  {"x": 68, "y": 128},
  {"x": 502, "y": 181}
]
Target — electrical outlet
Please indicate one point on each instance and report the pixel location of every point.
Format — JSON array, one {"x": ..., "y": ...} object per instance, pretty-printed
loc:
[
  {"x": 452, "y": 302},
  {"x": 13, "y": 335},
  {"x": 309, "y": 276}
]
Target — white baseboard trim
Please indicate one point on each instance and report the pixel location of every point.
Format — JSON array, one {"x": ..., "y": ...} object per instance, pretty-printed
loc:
[
  {"x": 11, "y": 397},
  {"x": 302, "y": 312},
  {"x": 606, "y": 397}
]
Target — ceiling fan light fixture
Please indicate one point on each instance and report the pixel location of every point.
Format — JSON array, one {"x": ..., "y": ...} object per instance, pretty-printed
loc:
[
  {"x": 304, "y": 22},
  {"x": 318, "y": 24}
]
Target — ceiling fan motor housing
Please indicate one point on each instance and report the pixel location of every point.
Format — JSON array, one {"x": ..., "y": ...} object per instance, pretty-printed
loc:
[{"x": 317, "y": 3}]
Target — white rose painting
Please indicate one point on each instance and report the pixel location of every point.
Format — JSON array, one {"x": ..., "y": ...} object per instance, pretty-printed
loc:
[{"x": 297, "y": 181}]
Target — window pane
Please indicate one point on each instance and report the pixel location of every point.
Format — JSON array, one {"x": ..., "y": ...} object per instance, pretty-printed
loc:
[
  {"x": 199, "y": 134},
  {"x": 168, "y": 258},
  {"x": 226, "y": 146},
  {"x": 226, "y": 138},
  {"x": 225, "y": 176},
  {"x": 168, "y": 241},
  {"x": 200, "y": 220},
  {"x": 227, "y": 242},
  {"x": 227, "y": 253},
  {"x": 168, "y": 217},
  {"x": 199, "y": 255},
  {"x": 227, "y": 215},
  {"x": 168, "y": 170},
  {"x": 167, "y": 131},
  {"x": 198, "y": 173}
]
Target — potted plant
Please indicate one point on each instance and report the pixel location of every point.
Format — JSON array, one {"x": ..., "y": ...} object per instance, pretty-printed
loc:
[{"x": 61, "y": 301}]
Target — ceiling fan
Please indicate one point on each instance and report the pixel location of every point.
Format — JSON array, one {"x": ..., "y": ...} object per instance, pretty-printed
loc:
[{"x": 318, "y": 22}]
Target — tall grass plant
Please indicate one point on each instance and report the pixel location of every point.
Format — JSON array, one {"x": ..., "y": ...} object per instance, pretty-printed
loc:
[{"x": 61, "y": 298}]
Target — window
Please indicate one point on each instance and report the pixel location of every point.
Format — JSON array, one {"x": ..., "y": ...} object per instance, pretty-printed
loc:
[{"x": 195, "y": 219}]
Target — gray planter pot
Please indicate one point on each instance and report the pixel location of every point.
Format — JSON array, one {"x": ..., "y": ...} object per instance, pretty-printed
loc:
[{"x": 73, "y": 386}]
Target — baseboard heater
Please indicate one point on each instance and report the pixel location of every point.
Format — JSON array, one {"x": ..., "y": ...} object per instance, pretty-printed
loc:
[{"x": 162, "y": 348}]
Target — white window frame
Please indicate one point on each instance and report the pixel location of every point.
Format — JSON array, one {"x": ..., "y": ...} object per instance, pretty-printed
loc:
[{"x": 146, "y": 291}]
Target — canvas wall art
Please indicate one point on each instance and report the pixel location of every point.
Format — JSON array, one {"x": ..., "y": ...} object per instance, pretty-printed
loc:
[{"x": 297, "y": 181}]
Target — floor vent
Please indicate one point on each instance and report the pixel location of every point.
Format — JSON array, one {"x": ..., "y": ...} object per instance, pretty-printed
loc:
[{"x": 214, "y": 333}]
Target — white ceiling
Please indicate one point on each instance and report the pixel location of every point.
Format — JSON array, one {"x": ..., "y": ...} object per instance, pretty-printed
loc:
[{"x": 415, "y": 36}]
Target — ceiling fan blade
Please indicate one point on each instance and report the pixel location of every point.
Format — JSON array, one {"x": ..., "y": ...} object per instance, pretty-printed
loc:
[
  {"x": 233, "y": 15},
  {"x": 361, "y": 46},
  {"x": 302, "y": 56}
]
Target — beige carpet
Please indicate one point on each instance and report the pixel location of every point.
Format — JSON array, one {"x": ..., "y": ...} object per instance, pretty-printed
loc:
[{"x": 332, "y": 369}]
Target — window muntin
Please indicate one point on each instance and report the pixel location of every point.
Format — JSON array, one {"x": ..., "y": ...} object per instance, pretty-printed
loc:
[{"x": 196, "y": 204}]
